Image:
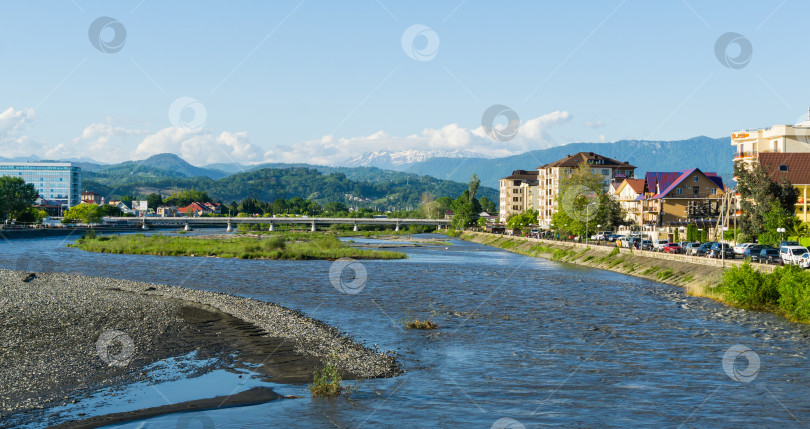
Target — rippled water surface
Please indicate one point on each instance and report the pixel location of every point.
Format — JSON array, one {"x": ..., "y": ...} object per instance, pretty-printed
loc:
[{"x": 529, "y": 339}]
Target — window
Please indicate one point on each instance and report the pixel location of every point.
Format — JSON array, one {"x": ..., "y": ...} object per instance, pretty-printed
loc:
[
  {"x": 679, "y": 191},
  {"x": 605, "y": 172},
  {"x": 695, "y": 179},
  {"x": 783, "y": 167},
  {"x": 713, "y": 191}
]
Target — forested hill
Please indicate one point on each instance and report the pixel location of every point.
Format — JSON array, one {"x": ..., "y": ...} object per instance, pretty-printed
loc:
[{"x": 398, "y": 191}]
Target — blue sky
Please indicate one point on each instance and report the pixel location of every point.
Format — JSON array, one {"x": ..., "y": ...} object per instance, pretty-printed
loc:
[{"x": 320, "y": 81}]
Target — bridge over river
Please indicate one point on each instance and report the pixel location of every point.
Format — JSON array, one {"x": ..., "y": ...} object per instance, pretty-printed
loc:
[{"x": 271, "y": 222}]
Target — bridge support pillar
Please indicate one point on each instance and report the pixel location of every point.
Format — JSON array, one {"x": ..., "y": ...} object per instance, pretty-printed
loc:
[
  {"x": 229, "y": 228},
  {"x": 438, "y": 227},
  {"x": 313, "y": 226},
  {"x": 187, "y": 228},
  {"x": 355, "y": 228},
  {"x": 271, "y": 229},
  {"x": 397, "y": 227}
]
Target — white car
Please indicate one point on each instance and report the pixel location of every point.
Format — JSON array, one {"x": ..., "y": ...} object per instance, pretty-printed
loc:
[
  {"x": 804, "y": 260},
  {"x": 658, "y": 245},
  {"x": 740, "y": 248},
  {"x": 792, "y": 255}
]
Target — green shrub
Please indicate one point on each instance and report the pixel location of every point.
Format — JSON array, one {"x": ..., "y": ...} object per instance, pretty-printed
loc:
[
  {"x": 614, "y": 252},
  {"x": 747, "y": 287},
  {"x": 794, "y": 291},
  {"x": 327, "y": 382}
]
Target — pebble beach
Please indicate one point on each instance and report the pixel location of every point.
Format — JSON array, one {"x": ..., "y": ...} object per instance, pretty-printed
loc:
[{"x": 66, "y": 335}]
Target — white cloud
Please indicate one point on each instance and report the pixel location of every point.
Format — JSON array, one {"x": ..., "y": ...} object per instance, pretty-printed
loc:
[
  {"x": 13, "y": 142},
  {"x": 110, "y": 142},
  {"x": 200, "y": 148},
  {"x": 532, "y": 134},
  {"x": 595, "y": 124}
]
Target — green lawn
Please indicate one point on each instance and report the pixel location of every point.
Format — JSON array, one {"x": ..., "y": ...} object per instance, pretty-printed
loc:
[{"x": 270, "y": 246}]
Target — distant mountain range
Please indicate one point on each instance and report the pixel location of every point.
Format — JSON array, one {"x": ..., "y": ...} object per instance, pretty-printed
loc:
[
  {"x": 403, "y": 159},
  {"x": 706, "y": 153}
]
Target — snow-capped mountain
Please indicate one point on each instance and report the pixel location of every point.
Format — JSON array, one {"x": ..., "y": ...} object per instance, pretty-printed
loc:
[{"x": 401, "y": 160}]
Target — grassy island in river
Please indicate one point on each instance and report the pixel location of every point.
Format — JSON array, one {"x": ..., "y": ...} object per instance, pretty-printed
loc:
[{"x": 270, "y": 246}]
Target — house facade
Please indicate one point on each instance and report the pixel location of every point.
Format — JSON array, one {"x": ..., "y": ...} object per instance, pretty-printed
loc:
[
  {"x": 549, "y": 176},
  {"x": 795, "y": 168},
  {"x": 630, "y": 195},
  {"x": 518, "y": 192},
  {"x": 692, "y": 196}
]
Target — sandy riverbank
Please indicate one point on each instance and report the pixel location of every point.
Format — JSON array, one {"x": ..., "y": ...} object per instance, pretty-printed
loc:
[{"x": 65, "y": 336}]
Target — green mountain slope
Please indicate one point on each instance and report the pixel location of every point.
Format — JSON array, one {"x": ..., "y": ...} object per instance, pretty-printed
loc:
[{"x": 383, "y": 189}]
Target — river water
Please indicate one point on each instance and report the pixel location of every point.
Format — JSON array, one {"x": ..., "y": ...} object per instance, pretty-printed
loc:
[{"x": 520, "y": 338}]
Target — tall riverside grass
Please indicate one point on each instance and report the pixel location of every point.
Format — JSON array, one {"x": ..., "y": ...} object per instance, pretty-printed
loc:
[
  {"x": 281, "y": 246},
  {"x": 786, "y": 288}
]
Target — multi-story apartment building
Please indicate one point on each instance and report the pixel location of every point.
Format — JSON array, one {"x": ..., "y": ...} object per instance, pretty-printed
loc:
[
  {"x": 58, "y": 182},
  {"x": 550, "y": 174},
  {"x": 518, "y": 192},
  {"x": 784, "y": 150},
  {"x": 777, "y": 139}
]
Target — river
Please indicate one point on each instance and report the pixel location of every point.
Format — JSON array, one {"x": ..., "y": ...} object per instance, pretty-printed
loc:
[{"x": 520, "y": 338}]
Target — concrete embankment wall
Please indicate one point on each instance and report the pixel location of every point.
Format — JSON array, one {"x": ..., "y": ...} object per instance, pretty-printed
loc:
[{"x": 699, "y": 275}]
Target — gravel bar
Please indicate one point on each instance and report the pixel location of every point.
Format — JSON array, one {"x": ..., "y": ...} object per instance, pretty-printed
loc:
[{"x": 62, "y": 337}]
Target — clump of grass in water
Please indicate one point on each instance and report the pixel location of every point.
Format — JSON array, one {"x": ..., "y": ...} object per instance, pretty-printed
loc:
[
  {"x": 326, "y": 382},
  {"x": 421, "y": 324}
]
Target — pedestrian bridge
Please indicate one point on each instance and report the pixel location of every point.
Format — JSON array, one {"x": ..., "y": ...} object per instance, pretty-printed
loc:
[{"x": 313, "y": 222}]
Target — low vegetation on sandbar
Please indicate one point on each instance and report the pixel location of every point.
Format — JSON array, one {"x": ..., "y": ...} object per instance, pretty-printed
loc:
[{"x": 271, "y": 246}]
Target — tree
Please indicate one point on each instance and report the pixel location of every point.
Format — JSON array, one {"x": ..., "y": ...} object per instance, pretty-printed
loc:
[
  {"x": 30, "y": 215},
  {"x": 757, "y": 192},
  {"x": 335, "y": 207},
  {"x": 154, "y": 201},
  {"x": 184, "y": 198},
  {"x": 522, "y": 220},
  {"x": 487, "y": 205},
  {"x": 775, "y": 217},
  {"x": 111, "y": 211},
  {"x": 583, "y": 203},
  {"x": 472, "y": 187},
  {"x": 87, "y": 213},
  {"x": 16, "y": 196}
]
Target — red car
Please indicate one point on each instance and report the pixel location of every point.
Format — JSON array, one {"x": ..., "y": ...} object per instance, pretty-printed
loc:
[{"x": 673, "y": 248}]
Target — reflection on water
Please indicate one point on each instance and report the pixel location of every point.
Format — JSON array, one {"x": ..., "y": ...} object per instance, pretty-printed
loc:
[{"x": 529, "y": 339}]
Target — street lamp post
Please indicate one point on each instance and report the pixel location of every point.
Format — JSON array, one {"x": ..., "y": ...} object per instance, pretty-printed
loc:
[
  {"x": 781, "y": 232},
  {"x": 588, "y": 219}
]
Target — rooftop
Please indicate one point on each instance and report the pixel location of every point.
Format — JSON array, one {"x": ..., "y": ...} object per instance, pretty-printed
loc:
[{"x": 592, "y": 158}]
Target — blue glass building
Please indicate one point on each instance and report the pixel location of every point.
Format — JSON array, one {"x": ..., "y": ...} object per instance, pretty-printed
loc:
[{"x": 58, "y": 182}]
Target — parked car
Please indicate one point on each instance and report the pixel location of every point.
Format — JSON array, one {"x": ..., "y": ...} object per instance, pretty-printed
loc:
[
  {"x": 789, "y": 243},
  {"x": 770, "y": 256},
  {"x": 601, "y": 235},
  {"x": 673, "y": 248},
  {"x": 613, "y": 237},
  {"x": 646, "y": 245},
  {"x": 683, "y": 244},
  {"x": 719, "y": 250},
  {"x": 752, "y": 252},
  {"x": 791, "y": 255},
  {"x": 704, "y": 249},
  {"x": 658, "y": 245},
  {"x": 691, "y": 248},
  {"x": 804, "y": 261},
  {"x": 740, "y": 248}
]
